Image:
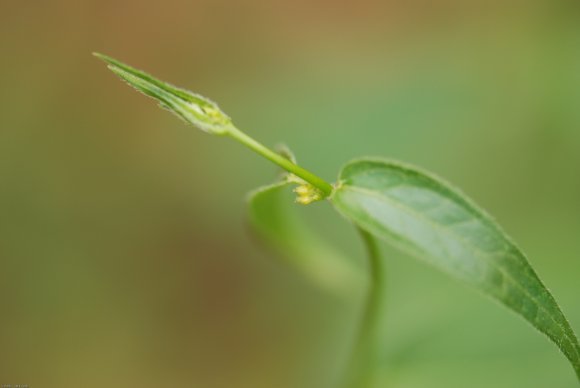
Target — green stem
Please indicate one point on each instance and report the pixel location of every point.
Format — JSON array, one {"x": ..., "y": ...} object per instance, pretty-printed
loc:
[
  {"x": 364, "y": 356},
  {"x": 319, "y": 183}
]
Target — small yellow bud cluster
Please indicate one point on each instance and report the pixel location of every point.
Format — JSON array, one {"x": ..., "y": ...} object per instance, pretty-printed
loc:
[{"x": 306, "y": 194}]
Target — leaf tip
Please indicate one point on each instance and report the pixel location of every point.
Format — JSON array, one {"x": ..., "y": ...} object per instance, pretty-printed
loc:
[{"x": 103, "y": 57}]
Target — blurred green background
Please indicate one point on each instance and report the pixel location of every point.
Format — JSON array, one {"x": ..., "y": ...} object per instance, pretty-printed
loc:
[{"x": 125, "y": 256}]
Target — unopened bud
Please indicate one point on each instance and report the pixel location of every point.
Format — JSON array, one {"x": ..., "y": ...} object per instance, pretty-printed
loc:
[{"x": 191, "y": 107}]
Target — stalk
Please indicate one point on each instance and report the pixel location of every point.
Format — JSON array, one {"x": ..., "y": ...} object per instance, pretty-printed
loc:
[
  {"x": 286, "y": 164},
  {"x": 364, "y": 356}
]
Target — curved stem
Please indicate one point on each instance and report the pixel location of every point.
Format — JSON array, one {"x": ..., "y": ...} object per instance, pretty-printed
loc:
[
  {"x": 319, "y": 183},
  {"x": 364, "y": 356}
]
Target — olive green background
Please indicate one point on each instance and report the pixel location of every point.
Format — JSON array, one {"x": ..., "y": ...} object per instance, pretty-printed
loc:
[{"x": 125, "y": 255}]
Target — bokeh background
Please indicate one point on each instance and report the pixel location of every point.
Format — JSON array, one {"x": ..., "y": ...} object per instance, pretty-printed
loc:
[{"x": 125, "y": 256}]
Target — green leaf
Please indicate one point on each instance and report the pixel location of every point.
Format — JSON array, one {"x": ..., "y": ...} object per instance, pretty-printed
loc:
[
  {"x": 191, "y": 107},
  {"x": 272, "y": 217},
  {"x": 428, "y": 218}
]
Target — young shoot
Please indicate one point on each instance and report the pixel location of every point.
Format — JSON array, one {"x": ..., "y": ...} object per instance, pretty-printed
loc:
[{"x": 413, "y": 210}]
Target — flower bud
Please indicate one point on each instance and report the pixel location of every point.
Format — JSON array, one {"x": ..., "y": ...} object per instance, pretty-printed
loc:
[{"x": 192, "y": 108}]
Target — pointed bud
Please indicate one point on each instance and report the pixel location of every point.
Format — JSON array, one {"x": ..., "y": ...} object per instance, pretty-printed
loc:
[{"x": 193, "y": 108}]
